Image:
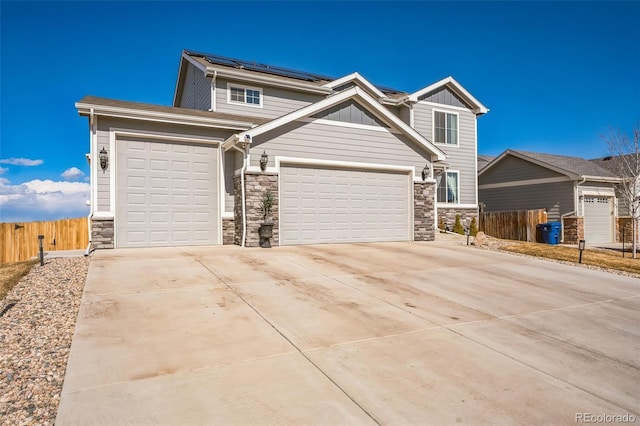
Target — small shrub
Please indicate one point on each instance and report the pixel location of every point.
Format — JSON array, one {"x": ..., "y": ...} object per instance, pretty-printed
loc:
[
  {"x": 457, "y": 227},
  {"x": 267, "y": 204},
  {"x": 473, "y": 228}
]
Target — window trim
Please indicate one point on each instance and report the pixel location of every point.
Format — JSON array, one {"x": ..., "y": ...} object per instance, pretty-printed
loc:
[
  {"x": 244, "y": 88},
  {"x": 433, "y": 126},
  {"x": 457, "y": 172}
]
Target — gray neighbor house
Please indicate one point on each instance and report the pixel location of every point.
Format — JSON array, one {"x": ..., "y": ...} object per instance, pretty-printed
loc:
[
  {"x": 579, "y": 193},
  {"x": 345, "y": 160}
]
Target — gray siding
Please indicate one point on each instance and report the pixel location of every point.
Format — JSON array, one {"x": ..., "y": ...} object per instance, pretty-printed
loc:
[
  {"x": 404, "y": 113},
  {"x": 327, "y": 142},
  {"x": 104, "y": 123},
  {"x": 512, "y": 168},
  {"x": 444, "y": 96},
  {"x": 275, "y": 101},
  {"x": 196, "y": 92},
  {"x": 461, "y": 157},
  {"x": 350, "y": 112},
  {"x": 557, "y": 198}
]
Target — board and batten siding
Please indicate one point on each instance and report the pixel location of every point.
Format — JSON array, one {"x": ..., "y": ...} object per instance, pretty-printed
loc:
[
  {"x": 511, "y": 168},
  {"x": 103, "y": 179},
  {"x": 196, "y": 91},
  {"x": 276, "y": 102},
  {"x": 461, "y": 157},
  {"x": 556, "y": 197},
  {"x": 328, "y": 142}
]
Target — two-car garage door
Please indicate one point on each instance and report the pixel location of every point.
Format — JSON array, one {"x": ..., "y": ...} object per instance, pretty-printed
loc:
[
  {"x": 335, "y": 205},
  {"x": 167, "y": 193}
]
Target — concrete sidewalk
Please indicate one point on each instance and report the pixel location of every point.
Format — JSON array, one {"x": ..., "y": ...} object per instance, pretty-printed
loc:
[{"x": 388, "y": 333}]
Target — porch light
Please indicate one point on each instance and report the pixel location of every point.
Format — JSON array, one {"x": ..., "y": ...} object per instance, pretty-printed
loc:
[
  {"x": 264, "y": 160},
  {"x": 425, "y": 172},
  {"x": 104, "y": 159}
]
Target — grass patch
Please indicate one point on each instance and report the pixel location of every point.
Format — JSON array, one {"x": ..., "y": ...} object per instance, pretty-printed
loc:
[
  {"x": 595, "y": 257},
  {"x": 11, "y": 273}
]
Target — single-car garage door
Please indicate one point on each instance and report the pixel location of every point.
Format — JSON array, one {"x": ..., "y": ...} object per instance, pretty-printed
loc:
[
  {"x": 328, "y": 205},
  {"x": 598, "y": 219},
  {"x": 167, "y": 193}
]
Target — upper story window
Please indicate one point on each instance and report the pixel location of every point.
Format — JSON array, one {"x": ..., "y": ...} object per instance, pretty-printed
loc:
[
  {"x": 251, "y": 96},
  {"x": 448, "y": 188},
  {"x": 445, "y": 127}
]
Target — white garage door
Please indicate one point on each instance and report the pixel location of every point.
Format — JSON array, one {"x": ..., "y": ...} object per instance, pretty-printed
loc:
[
  {"x": 324, "y": 205},
  {"x": 598, "y": 219},
  {"x": 167, "y": 194}
]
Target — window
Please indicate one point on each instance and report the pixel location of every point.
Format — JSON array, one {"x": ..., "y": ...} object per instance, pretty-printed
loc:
[
  {"x": 445, "y": 128},
  {"x": 448, "y": 188},
  {"x": 245, "y": 95}
]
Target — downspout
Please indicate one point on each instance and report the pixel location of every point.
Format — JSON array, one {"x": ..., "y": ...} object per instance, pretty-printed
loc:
[
  {"x": 576, "y": 201},
  {"x": 92, "y": 126},
  {"x": 242, "y": 171}
]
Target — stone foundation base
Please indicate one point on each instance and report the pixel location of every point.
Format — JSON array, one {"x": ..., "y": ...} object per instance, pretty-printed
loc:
[
  {"x": 623, "y": 229},
  {"x": 102, "y": 233},
  {"x": 228, "y": 231},
  {"x": 573, "y": 227},
  {"x": 447, "y": 216}
]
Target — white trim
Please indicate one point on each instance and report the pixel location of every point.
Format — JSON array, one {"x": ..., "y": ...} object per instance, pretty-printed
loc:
[
  {"x": 245, "y": 88},
  {"x": 350, "y": 125},
  {"x": 442, "y": 106},
  {"x": 104, "y": 215},
  {"x": 116, "y": 132},
  {"x": 93, "y": 164},
  {"x": 456, "y": 206},
  {"x": 358, "y": 79},
  {"x": 227, "y": 215},
  {"x": 457, "y": 172},
  {"x": 540, "y": 181},
  {"x": 213, "y": 102},
  {"x": 354, "y": 92},
  {"x": 475, "y": 163},
  {"x": 342, "y": 164},
  {"x": 163, "y": 117},
  {"x": 456, "y": 87},
  {"x": 433, "y": 128},
  {"x": 593, "y": 192},
  {"x": 412, "y": 116}
]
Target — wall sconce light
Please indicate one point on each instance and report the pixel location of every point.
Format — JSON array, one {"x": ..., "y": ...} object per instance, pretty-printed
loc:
[
  {"x": 104, "y": 159},
  {"x": 425, "y": 172},
  {"x": 264, "y": 160}
]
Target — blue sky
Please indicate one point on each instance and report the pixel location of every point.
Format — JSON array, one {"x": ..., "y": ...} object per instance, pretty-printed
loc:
[{"x": 555, "y": 75}]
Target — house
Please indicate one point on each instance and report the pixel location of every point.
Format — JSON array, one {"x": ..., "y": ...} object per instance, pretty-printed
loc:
[
  {"x": 345, "y": 160},
  {"x": 579, "y": 193}
]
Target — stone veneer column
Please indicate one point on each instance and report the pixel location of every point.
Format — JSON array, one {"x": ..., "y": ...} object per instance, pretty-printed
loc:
[
  {"x": 573, "y": 229},
  {"x": 256, "y": 185},
  {"x": 449, "y": 216},
  {"x": 228, "y": 231},
  {"x": 621, "y": 223},
  {"x": 102, "y": 233},
  {"x": 423, "y": 211}
]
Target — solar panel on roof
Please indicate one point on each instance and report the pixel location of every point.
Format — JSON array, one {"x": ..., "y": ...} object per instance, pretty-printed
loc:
[{"x": 268, "y": 69}]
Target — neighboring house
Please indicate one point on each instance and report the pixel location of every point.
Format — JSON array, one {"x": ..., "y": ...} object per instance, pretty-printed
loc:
[
  {"x": 483, "y": 160},
  {"x": 346, "y": 161},
  {"x": 577, "y": 192}
]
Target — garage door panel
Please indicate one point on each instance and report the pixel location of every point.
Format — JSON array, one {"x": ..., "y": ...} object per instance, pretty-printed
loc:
[
  {"x": 598, "y": 219},
  {"x": 323, "y": 205},
  {"x": 159, "y": 194}
]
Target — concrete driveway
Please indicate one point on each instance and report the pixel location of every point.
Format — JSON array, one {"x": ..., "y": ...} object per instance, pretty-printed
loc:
[{"x": 388, "y": 333}]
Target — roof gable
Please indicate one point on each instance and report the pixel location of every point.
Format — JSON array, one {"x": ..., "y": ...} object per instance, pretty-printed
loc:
[
  {"x": 362, "y": 98},
  {"x": 456, "y": 88},
  {"x": 360, "y": 81}
]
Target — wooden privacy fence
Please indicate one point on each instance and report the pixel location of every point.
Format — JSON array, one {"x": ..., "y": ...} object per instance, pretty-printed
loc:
[
  {"x": 19, "y": 241},
  {"x": 513, "y": 225}
]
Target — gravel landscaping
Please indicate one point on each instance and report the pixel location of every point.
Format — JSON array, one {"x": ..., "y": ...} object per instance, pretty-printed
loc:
[{"x": 35, "y": 339}]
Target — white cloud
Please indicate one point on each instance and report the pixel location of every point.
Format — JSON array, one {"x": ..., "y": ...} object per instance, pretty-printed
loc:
[
  {"x": 43, "y": 200},
  {"x": 3, "y": 169},
  {"x": 21, "y": 161},
  {"x": 72, "y": 173}
]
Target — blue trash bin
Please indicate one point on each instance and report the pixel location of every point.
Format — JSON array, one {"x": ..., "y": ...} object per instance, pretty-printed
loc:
[{"x": 554, "y": 232}]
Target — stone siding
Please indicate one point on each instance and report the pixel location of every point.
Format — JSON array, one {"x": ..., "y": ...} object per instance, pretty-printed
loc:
[
  {"x": 447, "y": 215},
  {"x": 102, "y": 233},
  {"x": 228, "y": 231},
  {"x": 423, "y": 213},
  {"x": 573, "y": 227},
  {"x": 256, "y": 185},
  {"x": 623, "y": 225}
]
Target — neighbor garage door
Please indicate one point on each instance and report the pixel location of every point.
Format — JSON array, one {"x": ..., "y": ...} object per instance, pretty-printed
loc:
[
  {"x": 167, "y": 194},
  {"x": 598, "y": 219},
  {"x": 327, "y": 205}
]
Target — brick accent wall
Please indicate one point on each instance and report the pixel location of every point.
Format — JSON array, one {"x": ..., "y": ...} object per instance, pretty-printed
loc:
[
  {"x": 102, "y": 233},
  {"x": 573, "y": 229},
  {"x": 423, "y": 213},
  {"x": 449, "y": 216},
  {"x": 228, "y": 231},
  {"x": 256, "y": 185}
]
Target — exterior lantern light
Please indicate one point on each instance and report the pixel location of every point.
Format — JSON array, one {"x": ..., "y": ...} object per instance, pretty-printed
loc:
[
  {"x": 581, "y": 245},
  {"x": 104, "y": 159},
  {"x": 425, "y": 172},
  {"x": 264, "y": 160}
]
